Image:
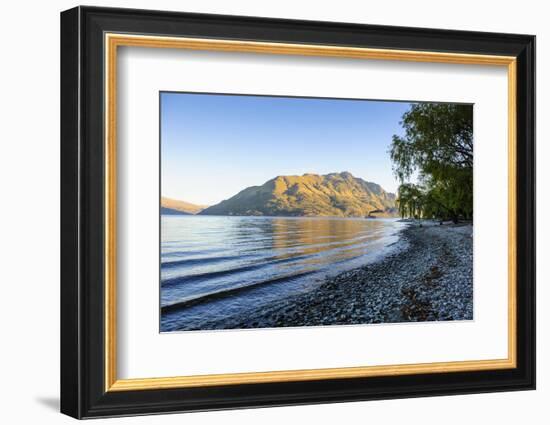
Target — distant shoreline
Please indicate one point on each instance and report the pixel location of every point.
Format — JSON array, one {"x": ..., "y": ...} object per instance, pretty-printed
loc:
[
  {"x": 428, "y": 278},
  {"x": 281, "y": 216}
]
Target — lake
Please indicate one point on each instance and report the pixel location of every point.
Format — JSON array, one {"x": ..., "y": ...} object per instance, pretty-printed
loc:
[{"x": 214, "y": 267}]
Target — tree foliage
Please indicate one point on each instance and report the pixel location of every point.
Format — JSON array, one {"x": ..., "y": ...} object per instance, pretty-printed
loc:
[{"x": 437, "y": 148}]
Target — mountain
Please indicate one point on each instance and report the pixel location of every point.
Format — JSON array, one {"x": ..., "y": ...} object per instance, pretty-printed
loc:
[
  {"x": 335, "y": 194},
  {"x": 173, "y": 206},
  {"x": 170, "y": 211}
]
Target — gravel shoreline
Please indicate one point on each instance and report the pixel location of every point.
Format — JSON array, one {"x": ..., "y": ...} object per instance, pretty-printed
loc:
[{"x": 428, "y": 278}]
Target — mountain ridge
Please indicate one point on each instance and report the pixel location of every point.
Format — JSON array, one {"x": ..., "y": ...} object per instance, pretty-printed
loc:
[
  {"x": 174, "y": 207},
  {"x": 334, "y": 194}
]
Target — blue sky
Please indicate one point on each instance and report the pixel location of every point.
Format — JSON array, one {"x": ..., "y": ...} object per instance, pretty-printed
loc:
[{"x": 213, "y": 146}]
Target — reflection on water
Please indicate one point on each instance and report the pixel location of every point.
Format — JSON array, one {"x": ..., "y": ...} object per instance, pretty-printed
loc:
[{"x": 214, "y": 267}]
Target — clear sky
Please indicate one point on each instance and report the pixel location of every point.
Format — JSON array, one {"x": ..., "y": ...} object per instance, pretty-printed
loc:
[{"x": 213, "y": 146}]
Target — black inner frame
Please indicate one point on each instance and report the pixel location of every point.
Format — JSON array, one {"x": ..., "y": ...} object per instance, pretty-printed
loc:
[{"x": 82, "y": 206}]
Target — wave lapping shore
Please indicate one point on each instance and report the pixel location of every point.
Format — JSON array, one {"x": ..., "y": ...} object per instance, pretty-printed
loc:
[{"x": 428, "y": 278}]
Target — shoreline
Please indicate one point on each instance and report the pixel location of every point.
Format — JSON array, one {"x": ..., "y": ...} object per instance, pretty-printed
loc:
[
  {"x": 428, "y": 278},
  {"x": 351, "y": 217}
]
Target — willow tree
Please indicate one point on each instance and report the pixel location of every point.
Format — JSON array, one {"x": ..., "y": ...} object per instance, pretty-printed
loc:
[
  {"x": 410, "y": 200},
  {"x": 437, "y": 147}
]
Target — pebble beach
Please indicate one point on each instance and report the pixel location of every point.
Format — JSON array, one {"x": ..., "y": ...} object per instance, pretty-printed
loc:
[{"x": 427, "y": 277}]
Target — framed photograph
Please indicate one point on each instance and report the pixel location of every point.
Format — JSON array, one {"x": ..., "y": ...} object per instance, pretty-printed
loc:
[{"x": 261, "y": 212}]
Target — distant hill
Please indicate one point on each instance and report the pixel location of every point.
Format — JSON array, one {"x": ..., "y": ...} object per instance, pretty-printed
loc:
[
  {"x": 173, "y": 206},
  {"x": 170, "y": 211},
  {"x": 335, "y": 194}
]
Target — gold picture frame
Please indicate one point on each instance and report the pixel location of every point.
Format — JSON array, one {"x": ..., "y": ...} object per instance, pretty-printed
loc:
[{"x": 114, "y": 41}]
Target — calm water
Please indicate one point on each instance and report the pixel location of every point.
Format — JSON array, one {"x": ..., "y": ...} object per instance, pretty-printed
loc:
[{"x": 214, "y": 267}]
